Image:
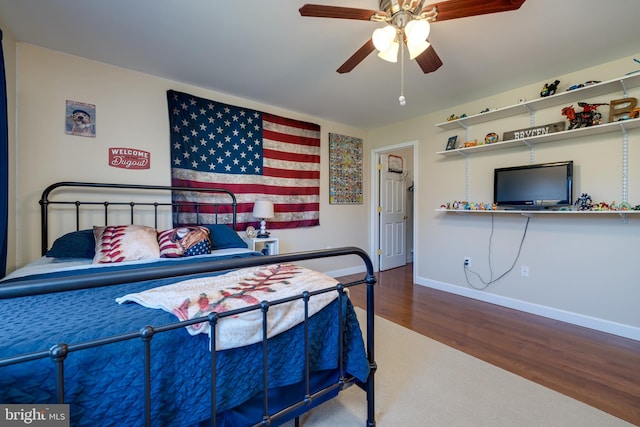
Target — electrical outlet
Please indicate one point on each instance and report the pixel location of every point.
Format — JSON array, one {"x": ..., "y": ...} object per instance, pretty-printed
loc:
[
  {"x": 467, "y": 261},
  {"x": 524, "y": 271}
]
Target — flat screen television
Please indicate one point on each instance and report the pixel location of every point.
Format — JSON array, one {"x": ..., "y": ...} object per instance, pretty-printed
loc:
[{"x": 540, "y": 186}]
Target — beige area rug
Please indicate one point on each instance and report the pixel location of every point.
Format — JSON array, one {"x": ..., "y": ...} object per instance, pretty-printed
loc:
[{"x": 421, "y": 382}]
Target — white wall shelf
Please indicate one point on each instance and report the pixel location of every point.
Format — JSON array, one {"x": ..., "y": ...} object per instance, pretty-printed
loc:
[
  {"x": 531, "y": 213},
  {"x": 619, "y": 84},
  {"x": 621, "y": 126}
]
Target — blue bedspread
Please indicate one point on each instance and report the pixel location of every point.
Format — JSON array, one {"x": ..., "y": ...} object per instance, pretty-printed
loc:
[{"x": 104, "y": 385}]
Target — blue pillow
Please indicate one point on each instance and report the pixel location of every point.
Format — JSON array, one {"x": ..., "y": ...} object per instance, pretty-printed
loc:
[
  {"x": 224, "y": 237},
  {"x": 77, "y": 244}
]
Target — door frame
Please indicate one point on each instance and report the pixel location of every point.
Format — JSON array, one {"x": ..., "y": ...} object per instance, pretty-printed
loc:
[{"x": 375, "y": 191}]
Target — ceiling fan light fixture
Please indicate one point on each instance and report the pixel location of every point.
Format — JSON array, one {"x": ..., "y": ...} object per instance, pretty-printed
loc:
[
  {"x": 391, "y": 54},
  {"x": 384, "y": 37},
  {"x": 412, "y": 22},
  {"x": 417, "y": 31},
  {"x": 417, "y": 49}
]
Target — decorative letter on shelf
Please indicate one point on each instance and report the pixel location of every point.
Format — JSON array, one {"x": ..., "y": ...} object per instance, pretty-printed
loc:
[{"x": 620, "y": 109}]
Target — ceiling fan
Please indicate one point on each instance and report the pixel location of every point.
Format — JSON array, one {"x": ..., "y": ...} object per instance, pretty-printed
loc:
[{"x": 408, "y": 23}]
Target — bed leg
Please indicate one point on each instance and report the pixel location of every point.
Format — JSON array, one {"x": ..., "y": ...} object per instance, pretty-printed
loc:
[{"x": 371, "y": 413}]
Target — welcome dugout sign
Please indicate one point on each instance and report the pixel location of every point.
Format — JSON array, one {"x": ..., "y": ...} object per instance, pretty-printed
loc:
[{"x": 129, "y": 158}]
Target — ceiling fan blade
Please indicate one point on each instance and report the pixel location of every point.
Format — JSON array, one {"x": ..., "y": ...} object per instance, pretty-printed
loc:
[
  {"x": 321, "y": 11},
  {"x": 357, "y": 57},
  {"x": 453, "y": 9},
  {"x": 429, "y": 61}
]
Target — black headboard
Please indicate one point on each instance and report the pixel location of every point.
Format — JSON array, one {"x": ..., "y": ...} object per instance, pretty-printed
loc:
[{"x": 214, "y": 208}]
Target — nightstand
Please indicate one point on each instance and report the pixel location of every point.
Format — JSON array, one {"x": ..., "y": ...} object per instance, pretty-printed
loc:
[{"x": 259, "y": 244}]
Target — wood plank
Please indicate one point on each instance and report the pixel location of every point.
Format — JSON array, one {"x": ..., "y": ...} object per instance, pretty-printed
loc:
[{"x": 599, "y": 369}]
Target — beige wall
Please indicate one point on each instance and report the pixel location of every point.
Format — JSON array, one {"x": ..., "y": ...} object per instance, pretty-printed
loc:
[
  {"x": 582, "y": 270},
  {"x": 131, "y": 111}
]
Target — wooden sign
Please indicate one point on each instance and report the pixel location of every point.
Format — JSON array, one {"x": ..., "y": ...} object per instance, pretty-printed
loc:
[
  {"x": 534, "y": 131},
  {"x": 129, "y": 158},
  {"x": 621, "y": 109}
]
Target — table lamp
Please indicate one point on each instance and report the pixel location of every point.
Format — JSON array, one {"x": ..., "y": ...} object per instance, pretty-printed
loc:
[{"x": 263, "y": 209}]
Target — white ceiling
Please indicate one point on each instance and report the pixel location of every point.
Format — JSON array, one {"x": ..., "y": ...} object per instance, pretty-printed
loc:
[{"x": 266, "y": 52}]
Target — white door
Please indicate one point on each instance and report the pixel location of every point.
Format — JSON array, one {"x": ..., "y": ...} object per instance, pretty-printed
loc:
[{"x": 392, "y": 216}]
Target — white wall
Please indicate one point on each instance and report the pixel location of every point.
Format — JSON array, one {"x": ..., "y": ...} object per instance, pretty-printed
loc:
[
  {"x": 131, "y": 111},
  {"x": 582, "y": 270}
]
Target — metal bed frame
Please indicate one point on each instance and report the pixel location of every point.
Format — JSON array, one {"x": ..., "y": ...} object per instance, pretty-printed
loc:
[
  {"x": 46, "y": 202},
  {"x": 58, "y": 353}
]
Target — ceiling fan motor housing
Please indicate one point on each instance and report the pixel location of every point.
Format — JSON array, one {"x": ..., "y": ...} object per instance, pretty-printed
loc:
[{"x": 394, "y": 6}]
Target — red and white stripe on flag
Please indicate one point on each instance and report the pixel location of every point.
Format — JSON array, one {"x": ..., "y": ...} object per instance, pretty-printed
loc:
[{"x": 255, "y": 155}]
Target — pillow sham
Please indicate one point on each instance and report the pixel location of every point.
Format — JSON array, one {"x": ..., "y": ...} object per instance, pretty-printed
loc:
[
  {"x": 224, "y": 237},
  {"x": 76, "y": 244},
  {"x": 117, "y": 243},
  {"x": 187, "y": 240}
]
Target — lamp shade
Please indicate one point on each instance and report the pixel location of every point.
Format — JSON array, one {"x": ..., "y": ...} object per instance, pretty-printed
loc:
[
  {"x": 383, "y": 38},
  {"x": 391, "y": 54},
  {"x": 263, "y": 209},
  {"x": 417, "y": 31}
]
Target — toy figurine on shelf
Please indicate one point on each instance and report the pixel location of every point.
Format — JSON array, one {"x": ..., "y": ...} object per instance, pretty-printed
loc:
[
  {"x": 549, "y": 88},
  {"x": 636, "y": 71},
  {"x": 581, "y": 85},
  {"x": 491, "y": 138},
  {"x": 452, "y": 118},
  {"x": 596, "y": 117},
  {"x": 584, "y": 202},
  {"x": 588, "y": 116},
  {"x": 468, "y": 144}
]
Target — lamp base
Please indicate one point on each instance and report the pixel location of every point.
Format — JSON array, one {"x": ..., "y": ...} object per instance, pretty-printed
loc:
[{"x": 262, "y": 233}]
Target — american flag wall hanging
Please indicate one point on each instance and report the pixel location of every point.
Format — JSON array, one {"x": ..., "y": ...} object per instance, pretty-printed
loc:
[{"x": 256, "y": 155}]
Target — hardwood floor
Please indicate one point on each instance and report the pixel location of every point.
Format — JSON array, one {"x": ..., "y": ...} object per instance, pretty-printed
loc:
[{"x": 599, "y": 369}]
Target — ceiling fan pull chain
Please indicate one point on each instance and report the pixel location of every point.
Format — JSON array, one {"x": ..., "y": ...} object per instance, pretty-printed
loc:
[{"x": 402, "y": 99}]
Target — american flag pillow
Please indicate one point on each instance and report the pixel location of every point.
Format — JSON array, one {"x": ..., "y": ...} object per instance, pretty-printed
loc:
[{"x": 187, "y": 240}]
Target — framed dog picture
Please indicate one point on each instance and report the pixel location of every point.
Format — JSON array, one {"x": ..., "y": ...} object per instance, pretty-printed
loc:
[
  {"x": 451, "y": 143},
  {"x": 80, "y": 119}
]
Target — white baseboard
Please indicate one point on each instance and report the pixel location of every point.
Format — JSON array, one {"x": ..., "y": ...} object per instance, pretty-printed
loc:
[
  {"x": 346, "y": 271},
  {"x": 626, "y": 331}
]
